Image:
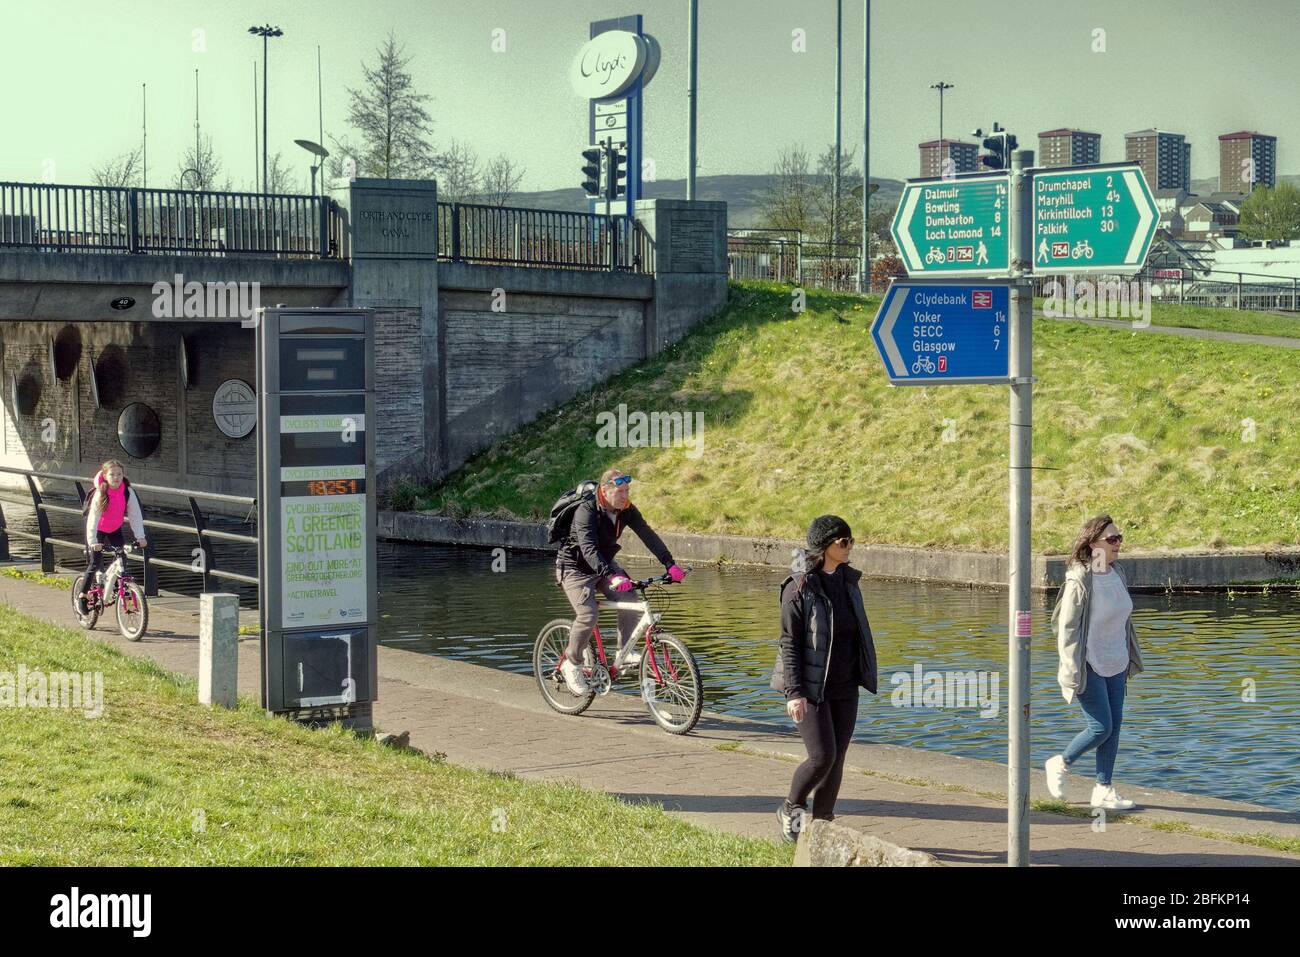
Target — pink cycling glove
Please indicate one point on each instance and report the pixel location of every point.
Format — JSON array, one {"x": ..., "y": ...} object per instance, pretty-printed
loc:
[
  {"x": 619, "y": 583},
  {"x": 675, "y": 573}
]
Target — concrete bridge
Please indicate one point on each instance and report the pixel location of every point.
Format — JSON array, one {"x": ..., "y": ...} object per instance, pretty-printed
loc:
[{"x": 125, "y": 333}]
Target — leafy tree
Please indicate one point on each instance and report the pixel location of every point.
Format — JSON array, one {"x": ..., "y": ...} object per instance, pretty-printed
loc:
[
  {"x": 1271, "y": 214},
  {"x": 391, "y": 121}
]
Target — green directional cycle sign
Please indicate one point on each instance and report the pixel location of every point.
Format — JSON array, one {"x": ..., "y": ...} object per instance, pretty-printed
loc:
[
  {"x": 1092, "y": 219},
  {"x": 954, "y": 227}
]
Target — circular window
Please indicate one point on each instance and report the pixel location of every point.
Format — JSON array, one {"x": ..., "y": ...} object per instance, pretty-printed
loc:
[
  {"x": 110, "y": 376},
  {"x": 67, "y": 352},
  {"x": 138, "y": 430}
]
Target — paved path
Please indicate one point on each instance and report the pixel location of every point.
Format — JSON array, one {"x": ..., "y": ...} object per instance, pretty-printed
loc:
[
  {"x": 1285, "y": 342},
  {"x": 489, "y": 718}
]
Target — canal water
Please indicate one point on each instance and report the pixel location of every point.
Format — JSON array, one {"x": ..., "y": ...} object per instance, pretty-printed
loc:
[{"x": 1217, "y": 711}]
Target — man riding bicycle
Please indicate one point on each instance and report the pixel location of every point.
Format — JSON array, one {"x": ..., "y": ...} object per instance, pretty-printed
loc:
[{"x": 584, "y": 566}]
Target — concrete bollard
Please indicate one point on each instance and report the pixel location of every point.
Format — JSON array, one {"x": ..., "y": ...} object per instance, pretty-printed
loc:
[{"x": 218, "y": 650}]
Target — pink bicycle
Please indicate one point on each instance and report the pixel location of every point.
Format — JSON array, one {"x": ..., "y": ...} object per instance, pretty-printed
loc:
[
  {"x": 670, "y": 679},
  {"x": 113, "y": 587}
]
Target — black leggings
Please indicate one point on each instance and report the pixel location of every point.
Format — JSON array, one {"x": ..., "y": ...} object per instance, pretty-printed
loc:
[
  {"x": 116, "y": 539},
  {"x": 827, "y": 729}
]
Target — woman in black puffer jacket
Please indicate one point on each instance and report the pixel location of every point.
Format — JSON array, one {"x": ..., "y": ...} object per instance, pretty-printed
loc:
[{"x": 826, "y": 654}]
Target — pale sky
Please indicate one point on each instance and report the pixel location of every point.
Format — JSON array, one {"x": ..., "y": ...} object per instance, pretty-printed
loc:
[{"x": 72, "y": 72}]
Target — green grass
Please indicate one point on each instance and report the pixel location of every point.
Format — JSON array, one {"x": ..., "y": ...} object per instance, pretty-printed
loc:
[
  {"x": 38, "y": 578},
  {"x": 799, "y": 419},
  {"x": 161, "y": 780},
  {"x": 1223, "y": 320}
]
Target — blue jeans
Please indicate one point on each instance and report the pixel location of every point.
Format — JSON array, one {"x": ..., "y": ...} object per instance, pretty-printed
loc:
[{"x": 1103, "y": 705}]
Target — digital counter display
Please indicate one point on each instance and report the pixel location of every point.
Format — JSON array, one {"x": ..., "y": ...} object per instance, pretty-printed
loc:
[{"x": 335, "y": 487}]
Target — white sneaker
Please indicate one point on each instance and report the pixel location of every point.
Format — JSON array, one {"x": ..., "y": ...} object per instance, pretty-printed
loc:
[
  {"x": 1057, "y": 775},
  {"x": 1105, "y": 795},
  {"x": 633, "y": 658},
  {"x": 573, "y": 678}
]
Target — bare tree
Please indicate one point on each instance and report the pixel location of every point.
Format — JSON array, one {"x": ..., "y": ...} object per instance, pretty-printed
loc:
[
  {"x": 788, "y": 203},
  {"x": 389, "y": 116},
  {"x": 459, "y": 177},
  {"x": 280, "y": 178},
  {"x": 849, "y": 209},
  {"x": 200, "y": 168},
  {"x": 501, "y": 180},
  {"x": 123, "y": 171}
]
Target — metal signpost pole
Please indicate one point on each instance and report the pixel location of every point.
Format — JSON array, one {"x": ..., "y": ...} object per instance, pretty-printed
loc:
[{"x": 1020, "y": 359}]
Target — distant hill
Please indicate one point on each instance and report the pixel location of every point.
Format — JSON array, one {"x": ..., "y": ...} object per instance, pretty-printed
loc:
[{"x": 742, "y": 192}]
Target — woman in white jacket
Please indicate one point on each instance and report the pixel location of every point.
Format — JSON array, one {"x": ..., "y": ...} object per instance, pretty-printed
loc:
[
  {"x": 1093, "y": 624},
  {"x": 112, "y": 504}
]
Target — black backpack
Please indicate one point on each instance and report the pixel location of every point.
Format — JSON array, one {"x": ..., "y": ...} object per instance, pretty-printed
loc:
[{"x": 557, "y": 529}]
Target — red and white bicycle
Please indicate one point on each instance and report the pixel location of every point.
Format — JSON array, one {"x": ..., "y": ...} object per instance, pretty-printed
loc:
[{"x": 670, "y": 679}]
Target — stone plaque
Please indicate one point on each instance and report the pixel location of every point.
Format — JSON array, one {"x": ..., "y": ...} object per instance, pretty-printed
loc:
[
  {"x": 693, "y": 245},
  {"x": 394, "y": 224}
]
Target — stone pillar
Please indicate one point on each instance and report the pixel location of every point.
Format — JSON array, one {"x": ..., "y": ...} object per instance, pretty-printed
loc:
[
  {"x": 394, "y": 245},
  {"x": 219, "y": 650},
  {"x": 690, "y": 256}
]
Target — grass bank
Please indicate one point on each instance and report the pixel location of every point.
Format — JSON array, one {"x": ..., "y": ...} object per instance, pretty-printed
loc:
[
  {"x": 1188, "y": 443},
  {"x": 1222, "y": 320},
  {"x": 158, "y": 779}
]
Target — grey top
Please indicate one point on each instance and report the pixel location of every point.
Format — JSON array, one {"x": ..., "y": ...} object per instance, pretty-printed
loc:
[{"x": 1070, "y": 619}]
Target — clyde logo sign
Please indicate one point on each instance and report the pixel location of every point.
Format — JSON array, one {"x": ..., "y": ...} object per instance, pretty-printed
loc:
[{"x": 609, "y": 63}]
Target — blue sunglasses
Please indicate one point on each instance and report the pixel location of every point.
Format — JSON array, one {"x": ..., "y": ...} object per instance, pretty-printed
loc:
[{"x": 621, "y": 480}]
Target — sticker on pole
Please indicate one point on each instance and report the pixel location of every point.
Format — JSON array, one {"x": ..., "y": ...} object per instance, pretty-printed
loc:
[{"x": 1024, "y": 624}]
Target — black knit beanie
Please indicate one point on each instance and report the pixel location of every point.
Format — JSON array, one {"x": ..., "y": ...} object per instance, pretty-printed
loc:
[{"x": 825, "y": 529}]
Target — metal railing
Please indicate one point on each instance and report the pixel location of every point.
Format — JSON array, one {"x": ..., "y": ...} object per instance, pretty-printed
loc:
[
  {"x": 514, "y": 236},
  {"x": 204, "y": 565},
  {"x": 786, "y": 255},
  {"x": 1216, "y": 288},
  {"x": 106, "y": 219}
]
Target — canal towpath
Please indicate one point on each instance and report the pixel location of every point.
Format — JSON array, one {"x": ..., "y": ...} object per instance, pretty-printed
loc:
[{"x": 731, "y": 773}]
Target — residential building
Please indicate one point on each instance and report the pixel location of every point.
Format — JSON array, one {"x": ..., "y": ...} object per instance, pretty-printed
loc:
[
  {"x": 965, "y": 157},
  {"x": 1068, "y": 147},
  {"x": 1247, "y": 159},
  {"x": 1165, "y": 158}
]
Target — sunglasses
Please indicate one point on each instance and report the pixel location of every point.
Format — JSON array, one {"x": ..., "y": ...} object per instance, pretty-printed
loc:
[
  {"x": 843, "y": 542},
  {"x": 1113, "y": 539},
  {"x": 621, "y": 480}
]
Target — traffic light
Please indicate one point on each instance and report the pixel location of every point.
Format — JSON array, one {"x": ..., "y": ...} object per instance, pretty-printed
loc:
[
  {"x": 591, "y": 171},
  {"x": 616, "y": 171},
  {"x": 999, "y": 146}
]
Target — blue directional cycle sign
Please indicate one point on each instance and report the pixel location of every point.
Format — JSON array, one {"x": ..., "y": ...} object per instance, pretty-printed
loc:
[{"x": 932, "y": 333}]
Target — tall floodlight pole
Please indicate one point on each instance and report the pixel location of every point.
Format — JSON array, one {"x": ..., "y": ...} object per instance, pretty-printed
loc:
[
  {"x": 835, "y": 185},
  {"x": 864, "y": 273},
  {"x": 265, "y": 32},
  {"x": 941, "y": 86},
  {"x": 144, "y": 133},
  {"x": 692, "y": 54}
]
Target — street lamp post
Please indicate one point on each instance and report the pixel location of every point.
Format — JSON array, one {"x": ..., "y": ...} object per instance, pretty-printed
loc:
[
  {"x": 941, "y": 86},
  {"x": 265, "y": 32},
  {"x": 318, "y": 151}
]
